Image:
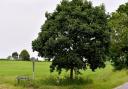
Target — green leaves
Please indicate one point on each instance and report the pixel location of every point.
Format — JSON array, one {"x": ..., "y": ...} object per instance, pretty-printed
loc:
[
  {"x": 74, "y": 31},
  {"x": 119, "y": 37},
  {"x": 24, "y": 55},
  {"x": 123, "y": 8},
  {"x": 15, "y": 55}
]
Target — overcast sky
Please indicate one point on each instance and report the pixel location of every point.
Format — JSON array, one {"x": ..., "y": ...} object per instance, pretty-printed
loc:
[{"x": 20, "y": 21}]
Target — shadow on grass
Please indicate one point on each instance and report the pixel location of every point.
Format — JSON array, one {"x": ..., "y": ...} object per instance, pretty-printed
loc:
[{"x": 65, "y": 81}]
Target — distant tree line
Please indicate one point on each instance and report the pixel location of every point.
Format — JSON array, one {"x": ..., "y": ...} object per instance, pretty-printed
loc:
[{"x": 24, "y": 55}]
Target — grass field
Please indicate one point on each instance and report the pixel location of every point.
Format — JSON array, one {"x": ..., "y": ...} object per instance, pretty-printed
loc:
[{"x": 100, "y": 79}]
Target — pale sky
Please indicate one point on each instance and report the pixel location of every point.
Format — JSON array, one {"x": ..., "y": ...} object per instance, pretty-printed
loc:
[{"x": 20, "y": 21}]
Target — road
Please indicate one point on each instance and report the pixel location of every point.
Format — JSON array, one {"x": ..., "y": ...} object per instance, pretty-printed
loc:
[{"x": 124, "y": 86}]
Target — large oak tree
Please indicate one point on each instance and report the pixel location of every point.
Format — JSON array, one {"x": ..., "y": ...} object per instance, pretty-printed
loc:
[{"x": 74, "y": 36}]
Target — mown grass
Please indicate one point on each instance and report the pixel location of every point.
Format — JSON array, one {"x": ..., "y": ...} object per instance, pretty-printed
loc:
[{"x": 100, "y": 79}]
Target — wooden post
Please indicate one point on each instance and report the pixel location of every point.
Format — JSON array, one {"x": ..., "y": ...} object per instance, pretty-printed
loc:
[{"x": 33, "y": 69}]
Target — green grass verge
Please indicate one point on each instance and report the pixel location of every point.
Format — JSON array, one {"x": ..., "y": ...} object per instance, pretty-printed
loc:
[{"x": 100, "y": 79}]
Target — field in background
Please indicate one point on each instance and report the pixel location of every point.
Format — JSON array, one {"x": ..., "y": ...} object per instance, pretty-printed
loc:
[{"x": 100, "y": 79}]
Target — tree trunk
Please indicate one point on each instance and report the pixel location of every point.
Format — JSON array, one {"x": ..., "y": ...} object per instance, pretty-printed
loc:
[{"x": 71, "y": 73}]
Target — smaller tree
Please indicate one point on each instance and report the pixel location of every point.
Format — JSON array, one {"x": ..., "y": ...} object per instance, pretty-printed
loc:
[
  {"x": 24, "y": 55},
  {"x": 15, "y": 55},
  {"x": 9, "y": 57}
]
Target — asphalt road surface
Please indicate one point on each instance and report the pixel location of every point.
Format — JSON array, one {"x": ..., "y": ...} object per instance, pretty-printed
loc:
[{"x": 124, "y": 86}]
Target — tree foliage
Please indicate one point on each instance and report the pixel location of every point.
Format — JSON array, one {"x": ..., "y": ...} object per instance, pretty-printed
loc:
[
  {"x": 123, "y": 8},
  {"x": 119, "y": 37},
  {"x": 9, "y": 57},
  {"x": 24, "y": 55},
  {"x": 74, "y": 36},
  {"x": 15, "y": 55}
]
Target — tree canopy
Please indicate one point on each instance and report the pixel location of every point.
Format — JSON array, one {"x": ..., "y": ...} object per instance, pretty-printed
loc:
[
  {"x": 74, "y": 36},
  {"x": 123, "y": 8},
  {"x": 15, "y": 55},
  {"x": 119, "y": 37},
  {"x": 24, "y": 55}
]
